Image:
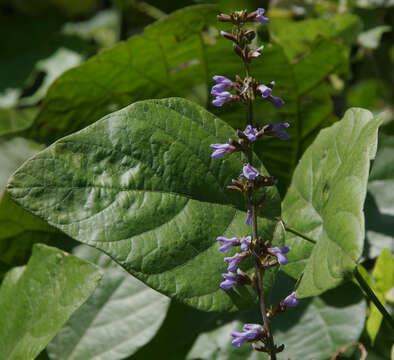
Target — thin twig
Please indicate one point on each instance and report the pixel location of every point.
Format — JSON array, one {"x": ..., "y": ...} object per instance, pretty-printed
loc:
[{"x": 360, "y": 346}]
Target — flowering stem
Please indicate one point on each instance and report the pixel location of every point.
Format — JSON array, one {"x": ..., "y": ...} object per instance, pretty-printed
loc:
[{"x": 257, "y": 262}]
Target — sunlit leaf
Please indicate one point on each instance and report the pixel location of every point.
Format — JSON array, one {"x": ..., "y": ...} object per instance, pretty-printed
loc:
[
  {"x": 37, "y": 300},
  {"x": 325, "y": 202},
  {"x": 120, "y": 316},
  {"x": 140, "y": 185}
]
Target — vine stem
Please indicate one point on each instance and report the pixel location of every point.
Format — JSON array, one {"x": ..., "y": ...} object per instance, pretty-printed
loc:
[
  {"x": 372, "y": 297},
  {"x": 362, "y": 283}
]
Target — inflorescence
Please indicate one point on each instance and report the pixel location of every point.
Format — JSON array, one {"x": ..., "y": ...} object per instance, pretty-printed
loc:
[{"x": 245, "y": 91}]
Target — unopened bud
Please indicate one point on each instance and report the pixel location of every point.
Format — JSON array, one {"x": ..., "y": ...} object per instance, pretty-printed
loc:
[
  {"x": 259, "y": 347},
  {"x": 224, "y": 18},
  {"x": 227, "y": 35},
  {"x": 237, "y": 50}
]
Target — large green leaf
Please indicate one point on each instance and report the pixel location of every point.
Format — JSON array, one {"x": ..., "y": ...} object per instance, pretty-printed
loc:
[
  {"x": 37, "y": 301},
  {"x": 168, "y": 59},
  {"x": 121, "y": 316},
  {"x": 325, "y": 202},
  {"x": 379, "y": 205},
  {"x": 141, "y": 186},
  {"x": 296, "y": 36},
  {"x": 313, "y": 330},
  {"x": 178, "y": 56}
]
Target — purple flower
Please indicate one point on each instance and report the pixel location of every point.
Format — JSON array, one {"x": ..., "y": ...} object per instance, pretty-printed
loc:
[
  {"x": 260, "y": 18},
  {"x": 251, "y": 333},
  {"x": 245, "y": 242},
  {"x": 222, "y": 97},
  {"x": 228, "y": 243},
  {"x": 290, "y": 300},
  {"x": 256, "y": 53},
  {"x": 248, "y": 218},
  {"x": 231, "y": 279},
  {"x": 221, "y": 149},
  {"x": 233, "y": 261},
  {"x": 250, "y": 172},
  {"x": 276, "y": 101},
  {"x": 278, "y": 252},
  {"x": 264, "y": 90},
  {"x": 278, "y": 130},
  {"x": 251, "y": 133},
  {"x": 222, "y": 83}
]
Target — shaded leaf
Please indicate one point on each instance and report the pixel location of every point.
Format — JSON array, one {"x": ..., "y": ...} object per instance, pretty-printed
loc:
[
  {"x": 120, "y": 316},
  {"x": 325, "y": 202},
  {"x": 313, "y": 330},
  {"x": 39, "y": 299},
  {"x": 168, "y": 59},
  {"x": 140, "y": 185},
  {"x": 379, "y": 205},
  {"x": 14, "y": 120},
  {"x": 178, "y": 56},
  {"x": 296, "y": 37},
  {"x": 19, "y": 230}
]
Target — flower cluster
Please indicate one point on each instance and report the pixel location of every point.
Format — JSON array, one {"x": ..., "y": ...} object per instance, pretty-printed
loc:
[
  {"x": 245, "y": 89},
  {"x": 250, "y": 246},
  {"x": 248, "y": 136}
]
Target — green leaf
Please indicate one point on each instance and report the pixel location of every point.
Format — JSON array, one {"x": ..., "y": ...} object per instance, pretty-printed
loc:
[
  {"x": 168, "y": 59},
  {"x": 182, "y": 323},
  {"x": 178, "y": 56},
  {"x": 383, "y": 274},
  {"x": 296, "y": 37},
  {"x": 314, "y": 330},
  {"x": 379, "y": 205},
  {"x": 38, "y": 299},
  {"x": 121, "y": 306},
  {"x": 140, "y": 185},
  {"x": 325, "y": 202},
  {"x": 308, "y": 106},
  {"x": 19, "y": 230},
  {"x": 15, "y": 120}
]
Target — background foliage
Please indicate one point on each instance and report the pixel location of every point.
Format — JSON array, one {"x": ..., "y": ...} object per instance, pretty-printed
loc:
[{"x": 66, "y": 64}]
